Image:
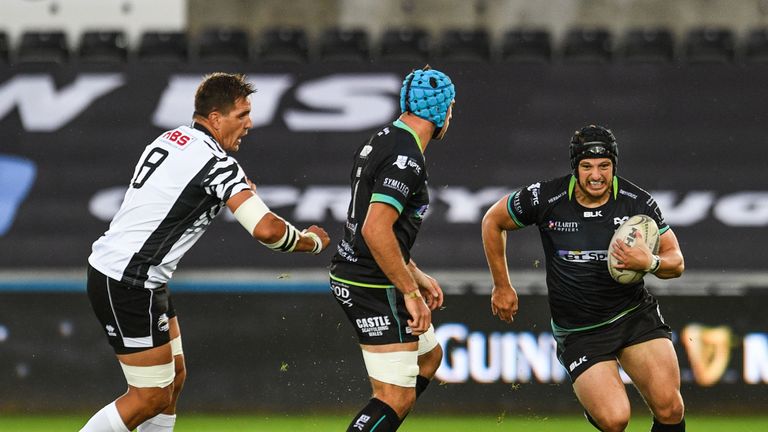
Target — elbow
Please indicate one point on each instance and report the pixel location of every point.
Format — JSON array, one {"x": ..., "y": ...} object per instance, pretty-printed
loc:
[{"x": 270, "y": 229}]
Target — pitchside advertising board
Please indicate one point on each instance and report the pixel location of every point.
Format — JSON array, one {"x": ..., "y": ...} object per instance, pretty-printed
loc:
[
  {"x": 692, "y": 135},
  {"x": 281, "y": 351}
]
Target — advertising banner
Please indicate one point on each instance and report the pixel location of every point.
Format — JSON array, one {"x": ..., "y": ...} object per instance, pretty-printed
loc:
[
  {"x": 693, "y": 136},
  {"x": 294, "y": 352}
]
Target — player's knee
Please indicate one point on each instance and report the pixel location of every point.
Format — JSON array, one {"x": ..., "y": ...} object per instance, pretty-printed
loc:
[
  {"x": 399, "y": 399},
  {"x": 613, "y": 420},
  {"x": 672, "y": 412}
]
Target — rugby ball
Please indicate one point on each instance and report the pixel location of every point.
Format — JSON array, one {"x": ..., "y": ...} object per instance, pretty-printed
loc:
[{"x": 626, "y": 233}]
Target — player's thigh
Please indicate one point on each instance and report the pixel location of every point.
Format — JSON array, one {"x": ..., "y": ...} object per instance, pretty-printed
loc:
[
  {"x": 654, "y": 370},
  {"x": 601, "y": 391}
]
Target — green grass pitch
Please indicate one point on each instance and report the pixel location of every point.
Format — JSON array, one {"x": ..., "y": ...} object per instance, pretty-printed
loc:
[{"x": 415, "y": 423}]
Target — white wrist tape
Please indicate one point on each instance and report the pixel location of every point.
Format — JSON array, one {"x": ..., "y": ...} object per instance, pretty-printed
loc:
[
  {"x": 316, "y": 238},
  {"x": 288, "y": 241},
  {"x": 149, "y": 376},
  {"x": 250, "y": 212}
]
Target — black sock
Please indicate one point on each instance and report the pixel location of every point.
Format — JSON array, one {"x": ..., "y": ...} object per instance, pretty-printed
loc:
[
  {"x": 591, "y": 420},
  {"x": 660, "y": 427},
  {"x": 421, "y": 384},
  {"x": 376, "y": 414}
]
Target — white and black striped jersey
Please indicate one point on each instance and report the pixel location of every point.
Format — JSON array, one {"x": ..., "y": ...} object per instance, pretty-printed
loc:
[{"x": 182, "y": 181}]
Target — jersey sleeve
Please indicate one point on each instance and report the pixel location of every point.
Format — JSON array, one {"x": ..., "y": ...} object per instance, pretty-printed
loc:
[
  {"x": 397, "y": 178},
  {"x": 225, "y": 178},
  {"x": 652, "y": 209},
  {"x": 523, "y": 205}
]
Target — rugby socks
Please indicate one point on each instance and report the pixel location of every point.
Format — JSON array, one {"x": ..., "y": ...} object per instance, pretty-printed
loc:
[
  {"x": 421, "y": 384},
  {"x": 107, "y": 419},
  {"x": 591, "y": 420},
  {"x": 660, "y": 427},
  {"x": 158, "y": 423},
  {"x": 376, "y": 416}
]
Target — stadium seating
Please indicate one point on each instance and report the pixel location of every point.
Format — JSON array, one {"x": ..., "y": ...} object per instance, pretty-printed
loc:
[
  {"x": 223, "y": 45},
  {"x": 465, "y": 45},
  {"x": 103, "y": 47},
  {"x": 405, "y": 44},
  {"x": 158, "y": 46},
  {"x": 284, "y": 45},
  {"x": 709, "y": 45},
  {"x": 756, "y": 45},
  {"x": 582, "y": 45},
  {"x": 530, "y": 46},
  {"x": 346, "y": 45},
  {"x": 43, "y": 47},
  {"x": 648, "y": 45}
]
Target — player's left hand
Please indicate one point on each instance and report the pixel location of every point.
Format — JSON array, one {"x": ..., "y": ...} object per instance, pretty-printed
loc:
[
  {"x": 431, "y": 291},
  {"x": 637, "y": 257}
]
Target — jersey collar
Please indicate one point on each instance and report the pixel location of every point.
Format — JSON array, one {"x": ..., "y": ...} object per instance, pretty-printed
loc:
[
  {"x": 401, "y": 124},
  {"x": 203, "y": 129},
  {"x": 572, "y": 186}
]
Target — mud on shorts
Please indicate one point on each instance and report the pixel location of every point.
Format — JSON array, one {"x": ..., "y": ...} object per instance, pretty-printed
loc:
[
  {"x": 578, "y": 350},
  {"x": 378, "y": 315},
  {"x": 133, "y": 318}
]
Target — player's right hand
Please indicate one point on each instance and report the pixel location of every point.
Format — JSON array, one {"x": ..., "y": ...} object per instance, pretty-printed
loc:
[
  {"x": 504, "y": 302},
  {"x": 325, "y": 239},
  {"x": 421, "y": 316}
]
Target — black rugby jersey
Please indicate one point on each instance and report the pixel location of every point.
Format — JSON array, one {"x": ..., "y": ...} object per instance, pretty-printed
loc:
[
  {"x": 575, "y": 240},
  {"x": 389, "y": 168}
]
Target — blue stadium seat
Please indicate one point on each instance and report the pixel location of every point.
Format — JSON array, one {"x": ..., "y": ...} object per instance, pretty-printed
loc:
[
  {"x": 526, "y": 46},
  {"x": 405, "y": 44},
  {"x": 710, "y": 45},
  {"x": 43, "y": 47},
  {"x": 223, "y": 44},
  {"x": 345, "y": 45},
  {"x": 158, "y": 46},
  {"x": 585, "y": 45},
  {"x": 103, "y": 47},
  {"x": 648, "y": 45},
  {"x": 465, "y": 45},
  {"x": 284, "y": 45}
]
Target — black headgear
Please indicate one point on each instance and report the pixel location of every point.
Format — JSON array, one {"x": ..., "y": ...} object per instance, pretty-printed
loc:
[{"x": 594, "y": 141}]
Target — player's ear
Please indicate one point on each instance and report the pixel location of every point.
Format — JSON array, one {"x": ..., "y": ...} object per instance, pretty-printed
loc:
[{"x": 215, "y": 119}]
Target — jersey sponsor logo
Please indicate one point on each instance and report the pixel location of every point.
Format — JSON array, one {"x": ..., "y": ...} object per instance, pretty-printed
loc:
[
  {"x": 534, "y": 189},
  {"x": 401, "y": 161},
  {"x": 583, "y": 256},
  {"x": 177, "y": 138},
  {"x": 162, "y": 323},
  {"x": 593, "y": 214},
  {"x": 397, "y": 185},
  {"x": 413, "y": 164},
  {"x": 563, "y": 226},
  {"x": 367, "y": 149},
  {"x": 110, "y": 331},
  {"x": 361, "y": 421},
  {"x": 627, "y": 193},
  {"x": 620, "y": 220},
  {"x": 345, "y": 251},
  {"x": 373, "y": 326},
  {"x": 342, "y": 294},
  {"x": 576, "y": 363},
  {"x": 557, "y": 197}
]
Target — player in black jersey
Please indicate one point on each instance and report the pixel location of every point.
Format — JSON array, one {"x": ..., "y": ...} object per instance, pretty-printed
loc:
[
  {"x": 597, "y": 322},
  {"x": 386, "y": 297}
]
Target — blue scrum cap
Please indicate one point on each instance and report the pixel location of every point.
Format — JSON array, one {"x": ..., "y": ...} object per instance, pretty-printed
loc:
[{"x": 427, "y": 93}]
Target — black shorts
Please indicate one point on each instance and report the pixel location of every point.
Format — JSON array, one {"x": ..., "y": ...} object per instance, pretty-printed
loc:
[
  {"x": 133, "y": 318},
  {"x": 579, "y": 350},
  {"x": 378, "y": 315}
]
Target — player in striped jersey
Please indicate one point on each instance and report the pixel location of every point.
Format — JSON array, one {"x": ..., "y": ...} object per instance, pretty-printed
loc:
[{"x": 182, "y": 181}]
